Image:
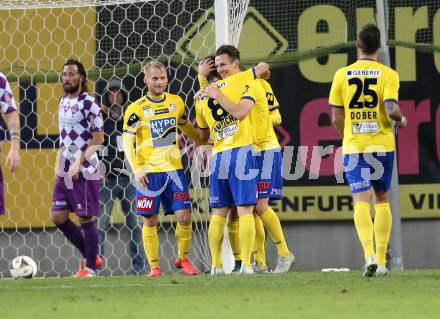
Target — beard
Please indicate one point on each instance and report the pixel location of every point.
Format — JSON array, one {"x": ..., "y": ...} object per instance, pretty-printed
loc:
[
  {"x": 69, "y": 88},
  {"x": 157, "y": 91}
]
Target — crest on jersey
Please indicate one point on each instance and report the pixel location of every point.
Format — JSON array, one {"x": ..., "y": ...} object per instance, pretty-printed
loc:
[
  {"x": 172, "y": 107},
  {"x": 74, "y": 108},
  {"x": 148, "y": 111}
]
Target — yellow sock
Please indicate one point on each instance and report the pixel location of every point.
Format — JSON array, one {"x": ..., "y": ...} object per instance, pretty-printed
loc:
[
  {"x": 183, "y": 238},
  {"x": 260, "y": 238},
  {"x": 234, "y": 238},
  {"x": 272, "y": 223},
  {"x": 215, "y": 238},
  {"x": 382, "y": 229},
  {"x": 247, "y": 238},
  {"x": 151, "y": 245},
  {"x": 364, "y": 227}
]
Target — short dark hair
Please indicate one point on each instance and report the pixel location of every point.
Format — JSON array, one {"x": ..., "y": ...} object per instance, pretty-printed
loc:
[
  {"x": 369, "y": 39},
  {"x": 213, "y": 73},
  {"x": 81, "y": 71},
  {"x": 230, "y": 50}
]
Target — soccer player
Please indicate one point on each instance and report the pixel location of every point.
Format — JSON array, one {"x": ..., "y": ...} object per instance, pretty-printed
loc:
[
  {"x": 364, "y": 98},
  {"x": 223, "y": 115},
  {"x": 8, "y": 107},
  {"x": 269, "y": 181},
  {"x": 151, "y": 124},
  {"x": 207, "y": 72},
  {"x": 77, "y": 184},
  {"x": 263, "y": 116},
  {"x": 272, "y": 102}
]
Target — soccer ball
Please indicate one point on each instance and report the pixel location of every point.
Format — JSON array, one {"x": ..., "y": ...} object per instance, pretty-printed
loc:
[{"x": 23, "y": 267}]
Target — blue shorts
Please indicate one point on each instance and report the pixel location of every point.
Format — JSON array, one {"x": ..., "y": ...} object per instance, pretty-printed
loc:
[
  {"x": 233, "y": 179},
  {"x": 270, "y": 182},
  {"x": 364, "y": 171},
  {"x": 168, "y": 188}
]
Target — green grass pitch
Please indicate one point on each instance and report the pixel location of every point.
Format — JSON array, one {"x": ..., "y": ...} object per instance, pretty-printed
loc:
[{"x": 408, "y": 294}]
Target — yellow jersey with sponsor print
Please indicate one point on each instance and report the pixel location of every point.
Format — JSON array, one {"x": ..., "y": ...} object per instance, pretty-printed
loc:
[
  {"x": 154, "y": 123},
  {"x": 226, "y": 131},
  {"x": 265, "y": 101},
  {"x": 362, "y": 89},
  {"x": 272, "y": 101}
]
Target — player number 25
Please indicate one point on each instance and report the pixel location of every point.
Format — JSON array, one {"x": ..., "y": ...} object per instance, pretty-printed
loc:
[{"x": 363, "y": 87}]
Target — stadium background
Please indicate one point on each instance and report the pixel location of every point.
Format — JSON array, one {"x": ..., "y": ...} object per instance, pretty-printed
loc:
[{"x": 316, "y": 211}]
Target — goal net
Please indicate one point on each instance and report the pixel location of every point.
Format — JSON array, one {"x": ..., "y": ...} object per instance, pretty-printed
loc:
[{"x": 113, "y": 39}]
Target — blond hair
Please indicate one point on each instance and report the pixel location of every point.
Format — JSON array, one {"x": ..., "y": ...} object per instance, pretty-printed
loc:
[{"x": 154, "y": 64}]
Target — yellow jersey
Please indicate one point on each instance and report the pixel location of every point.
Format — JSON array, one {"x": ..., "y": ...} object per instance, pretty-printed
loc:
[
  {"x": 226, "y": 131},
  {"x": 272, "y": 101},
  {"x": 362, "y": 89},
  {"x": 154, "y": 123},
  {"x": 264, "y": 132}
]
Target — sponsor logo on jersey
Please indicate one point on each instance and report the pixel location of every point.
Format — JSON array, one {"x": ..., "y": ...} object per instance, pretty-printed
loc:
[
  {"x": 160, "y": 126},
  {"x": 367, "y": 72},
  {"x": 67, "y": 120},
  {"x": 228, "y": 131},
  {"x": 365, "y": 127},
  {"x": 229, "y": 119},
  {"x": 144, "y": 203},
  {"x": 161, "y": 111}
]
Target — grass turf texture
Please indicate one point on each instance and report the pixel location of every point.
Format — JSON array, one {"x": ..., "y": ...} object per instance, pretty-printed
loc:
[{"x": 408, "y": 294}]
